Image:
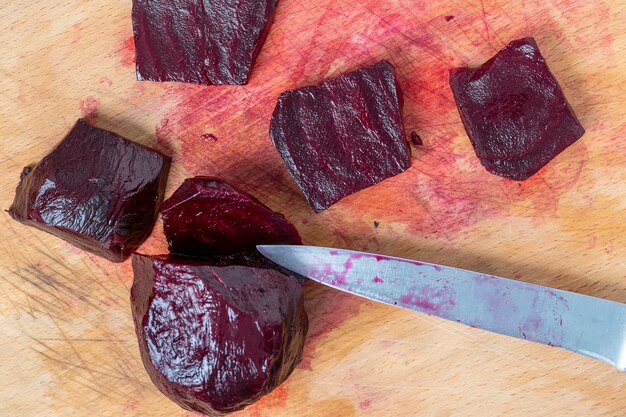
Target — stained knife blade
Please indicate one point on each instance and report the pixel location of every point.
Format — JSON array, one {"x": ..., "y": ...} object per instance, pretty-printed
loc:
[{"x": 583, "y": 324}]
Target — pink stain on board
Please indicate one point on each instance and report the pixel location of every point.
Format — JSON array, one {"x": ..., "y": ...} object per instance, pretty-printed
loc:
[
  {"x": 365, "y": 404},
  {"x": 327, "y": 309},
  {"x": 276, "y": 399},
  {"x": 446, "y": 191},
  {"x": 106, "y": 80},
  {"x": 126, "y": 52},
  {"x": 387, "y": 344},
  {"x": 89, "y": 108},
  {"x": 208, "y": 137}
]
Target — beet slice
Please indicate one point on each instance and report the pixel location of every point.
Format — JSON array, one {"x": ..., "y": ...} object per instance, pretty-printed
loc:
[
  {"x": 200, "y": 42},
  {"x": 96, "y": 190},
  {"x": 215, "y": 338},
  {"x": 514, "y": 111},
  {"x": 207, "y": 216},
  {"x": 343, "y": 135}
]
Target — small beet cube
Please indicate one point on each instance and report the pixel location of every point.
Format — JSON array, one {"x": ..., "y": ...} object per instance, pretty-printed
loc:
[
  {"x": 514, "y": 111},
  {"x": 206, "y": 216},
  {"x": 215, "y": 338},
  {"x": 198, "y": 41},
  {"x": 96, "y": 190},
  {"x": 343, "y": 135}
]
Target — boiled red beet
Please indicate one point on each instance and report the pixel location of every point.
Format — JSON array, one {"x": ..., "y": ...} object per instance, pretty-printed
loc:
[
  {"x": 343, "y": 135},
  {"x": 514, "y": 111},
  {"x": 96, "y": 190},
  {"x": 214, "y": 338},
  {"x": 201, "y": 42},
  {"x": 206, "y": 216}
]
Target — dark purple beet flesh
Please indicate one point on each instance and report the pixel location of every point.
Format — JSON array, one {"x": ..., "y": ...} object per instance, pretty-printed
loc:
[
  {"x": 216, "y": 338},
  {"x": 206, "y": 216},
  {"x": 416, "y": 139},
  {"x": 514, "y": 111},
  {"x": 343, "y": 135},
  {"x": 96, "y": 190},
  {"x": 197, "y": 41}
]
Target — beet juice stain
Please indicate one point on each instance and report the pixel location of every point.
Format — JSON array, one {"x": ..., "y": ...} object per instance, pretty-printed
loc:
[{"x": 445, "y": 192}]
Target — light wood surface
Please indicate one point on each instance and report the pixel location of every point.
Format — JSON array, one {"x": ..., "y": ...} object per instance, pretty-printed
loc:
[{"x": 66, "y": 337}]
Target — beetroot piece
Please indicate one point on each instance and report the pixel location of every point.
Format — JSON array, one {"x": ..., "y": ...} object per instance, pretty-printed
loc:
[
  {"x": 514, "y": 111},
  {"x": 343, "y": 135},
  {"x": 200, "y": 42},
  {"x": 96, "y": 190},
  {"x": 216, "y": 338},
  {"x": 206, "y": 216},
  {"x": 416, "y": 139}
]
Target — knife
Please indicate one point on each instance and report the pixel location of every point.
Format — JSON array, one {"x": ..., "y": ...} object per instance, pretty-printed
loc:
[{"x": 590, "y": 326}]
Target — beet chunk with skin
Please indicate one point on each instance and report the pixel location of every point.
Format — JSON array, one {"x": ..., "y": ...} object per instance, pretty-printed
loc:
[
  {"x": 514, "y": 111},
  {"x": 96, "y": 190},
  {"x": 200, "y": 42},
  {"x": 207, "y": 216},
  {"x": 342, "y": 136},
  {"x": 215, "y": 338}
]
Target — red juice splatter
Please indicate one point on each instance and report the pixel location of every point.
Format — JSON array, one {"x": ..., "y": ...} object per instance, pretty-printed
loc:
[
  {"x": 327, "y": 309},
  {"x": 89, "y": 108},
  {"x": 448, "y": 18},
  {"x": 446, "y": 191},
  {"x": 208, "y": 137},
  {"x": 378, "y": 280},
  {"x": 106, "y": 80},
  {"x": 126, "y": 52},
  {"x": 274, "y": 400},
  {"x": 387, "y": 344},
  {"x": 365, "y": 404}
]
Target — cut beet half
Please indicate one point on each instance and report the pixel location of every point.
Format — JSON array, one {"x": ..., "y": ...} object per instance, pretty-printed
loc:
[
  {"x": 215, "y": 338},
  {"x": 343, "y": 135},
  {"x": 96, "y": 190},
  {"x": 514, "y": 111},
  {"x": 200, "y": 42},
  {"x": 206, "y": 216}
]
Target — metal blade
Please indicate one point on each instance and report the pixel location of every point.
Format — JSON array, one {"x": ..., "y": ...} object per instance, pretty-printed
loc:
[{"x": 587, "y": 325}]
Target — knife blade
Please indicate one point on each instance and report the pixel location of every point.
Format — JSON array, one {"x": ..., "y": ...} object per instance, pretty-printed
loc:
[{"x": 583, "y": 324}]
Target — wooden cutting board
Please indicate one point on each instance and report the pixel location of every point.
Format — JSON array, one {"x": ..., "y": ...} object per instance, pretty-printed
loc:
[{"x": 66, "y": 336}]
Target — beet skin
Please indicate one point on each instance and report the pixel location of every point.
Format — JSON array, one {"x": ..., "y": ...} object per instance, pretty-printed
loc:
[
  {"x": 201, "y": 42},
  {"x": 343, "y": 135},
  {"x": 207, "y": 216},
  {"x": 96, "y": 190},
  {"x": 514, "y": 111},
  {"x": 215, "y": 338}
]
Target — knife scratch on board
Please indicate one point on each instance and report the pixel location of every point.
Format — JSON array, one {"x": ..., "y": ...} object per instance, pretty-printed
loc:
[{"x": 90, "y": 371}]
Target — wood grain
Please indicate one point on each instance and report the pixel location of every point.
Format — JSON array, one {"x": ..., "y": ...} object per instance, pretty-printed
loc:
[{"x": 66, "y": 334}]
